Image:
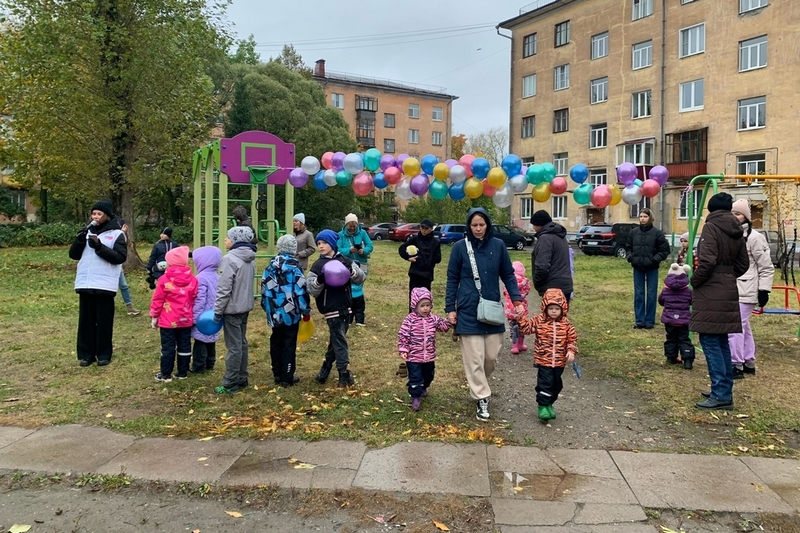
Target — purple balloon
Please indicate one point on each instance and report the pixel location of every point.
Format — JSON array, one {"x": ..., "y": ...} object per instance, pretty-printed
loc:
[
  {"x": 659, "y": 174},
  {"x": 298, "y": 178},
  {"x": 626, "y": 173},
  {"x": 336, "y": 274},
  {"x": 398, "y": 162},
  {"x": 337, "y": 161},
  {"x": 524, "y": 170},
  {"x": 419, "y": 184},
  {"x": 387, "y": 160},
  {"x": 451, "y": 163}
]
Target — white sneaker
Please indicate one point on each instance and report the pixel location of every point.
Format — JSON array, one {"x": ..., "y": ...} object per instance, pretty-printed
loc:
[{"x": 482, "y": 410}]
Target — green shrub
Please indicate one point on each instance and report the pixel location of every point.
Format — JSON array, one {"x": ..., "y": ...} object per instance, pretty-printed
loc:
[
  {"x": 180, "y": 234},
  {"x": 56, "y": 234}
]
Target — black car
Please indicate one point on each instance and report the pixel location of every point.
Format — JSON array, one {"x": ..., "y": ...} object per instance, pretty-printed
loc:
[
  {"x": 602, "y": 239},
  {"x": 511, "y": 238}
]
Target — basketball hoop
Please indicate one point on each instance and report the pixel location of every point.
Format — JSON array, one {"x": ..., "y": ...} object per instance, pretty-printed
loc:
[{"x": 260, "y": 173}]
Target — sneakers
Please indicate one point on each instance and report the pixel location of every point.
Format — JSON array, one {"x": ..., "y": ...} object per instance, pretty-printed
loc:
[
  {"x": 416, "y": 401},
  {"x": 712, "y": 403},
  {"x": 738, "y": 373},
  {"x": 482, "y": 410},
  {"x": 687, "y": 364},
  {"x": 706, "y": 394},
  {"x": 86, "y": 362},
  {"x": 163, "y": 378},
  {"x": 360, "y": 324},
  {"x": 749, "y": 369},
  {"x": 178, "y": 376},
  {"x": 132, "y": 311}
]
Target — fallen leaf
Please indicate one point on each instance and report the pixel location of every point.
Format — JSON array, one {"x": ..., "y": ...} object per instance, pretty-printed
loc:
[
  {"x": 195, "y": 531},
  {"x": 291, "y": 460},
  {"x": 305, "y": 466},
  {"x": 206, "y": 438},
  {"x": 608, "y": 407},
  {"x": 714, "y": 416},
  {"x": 518, "y": 489},
  {"x": 109, "y": 415},
  {"x": 758, "y": 487},
  {"x": 743, "y": 448},
  {"x": 440, "y": 526},
  {"x": 191, "y": 412},
  {"x": 235, "y": 514},
  {"x": 203, "y": 459},
  {"x": 665, "y": 529},
  {"x": 19, "y": 528},
  {"x": 742, "y": 415}
]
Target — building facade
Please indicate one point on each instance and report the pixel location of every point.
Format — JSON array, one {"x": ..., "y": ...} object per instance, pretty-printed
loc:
[{"x": 699, "y": 86}]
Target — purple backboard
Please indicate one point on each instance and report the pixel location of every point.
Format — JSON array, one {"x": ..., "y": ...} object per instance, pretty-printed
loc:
[{"x": 256, "y": 148}]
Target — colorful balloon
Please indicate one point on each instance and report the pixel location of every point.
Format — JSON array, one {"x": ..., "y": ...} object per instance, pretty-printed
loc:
[
  {"x": 337, "y": 161},
  {"x": 427, "y": 163},
  {"x": 558, "y": 185},
  {"x": 480, "y": 168},
  {"x": 379, "y": 181},
  {"x": 310, "y": 165},
  {"x": 626, "y": 173},
  {"x": 473, "y": 188},
  {"x": 327, "y": 164},
  {"x": 541, "y": 192},
  {"x": 392, "y": 175},
  {"x": 319, "y": 181},
  {"x": 650, "y": 188},
  {"x": 419, "y": 184},
  {"x": 583, "y": 193},
  {"x": 362, "y": 184},
  {"x": 488, "y": 190},
  {"x": 206, "y": 325},
  {"x": 511, "y": 165},
  {"x": 353, "y": 163},
  {"x": 631, "y": 195},
  {"x": 660, "y": 174},
  {"x": 601, "y": 196},
  {"x": 441, "y": 171},
  {"x": 503, "y": 197},
  {"x": 372, "y": 159},
  {"x": 496, "y": 177},
  {"x": 336, "y": 274},
  {"x": 438, "y": 190},
  {"x": 549, "y": 171},
  {"x": 451, "y": 163},
  {"x": 298, "y": 177},
  {"x": 637, "y": 182},
  {"x": 458, "y": 174},
  {"x": 403, "y": 191},
  {"x": 411, "y": 167},
  {"x": 518, "y": 183},
  {"x": 343, "y": 178},
  {"x": 466, "y": 162},
  {"x": 400, "y": 160},
  {"x": 535, "y": 174},
  {"x": 387, "y": 160},
  {"x": 579, "y": 173},
  {"x": 616, "y": 195},
  {"x": 456, "y": 191},
  {"x": 330, "y": 177}
]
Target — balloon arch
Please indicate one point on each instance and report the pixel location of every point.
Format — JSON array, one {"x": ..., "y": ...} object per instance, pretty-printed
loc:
[{"x": 469, "y": 177}]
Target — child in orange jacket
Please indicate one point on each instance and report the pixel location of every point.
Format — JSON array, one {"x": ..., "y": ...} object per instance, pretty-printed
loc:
[{"x": 555, "y": 345}]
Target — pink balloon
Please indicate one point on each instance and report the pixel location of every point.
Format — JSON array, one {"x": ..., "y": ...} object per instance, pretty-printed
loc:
[
  {"x": 601, "y": 196},
  {"x": 419, "y": 184},
  {"x": 488, "y": 190},
  {"x": 650, "y": 188},
  {"x": 362, "y": 184},
  {"x": 298, "y": 178},
  {"x": 336, "y": 274},
  {"x": 466, "y": 162},
  {"x": 558, "y": 185},
  {"x": 392, "y": 175},
  {"x": 659, "y": 174},
  {"x": 327, "y": 160}
]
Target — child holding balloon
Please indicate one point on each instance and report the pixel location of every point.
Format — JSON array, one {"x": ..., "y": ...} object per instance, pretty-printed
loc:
[
  {"x": 329, "y": 283},
  {"x": 204, "y": 350}
]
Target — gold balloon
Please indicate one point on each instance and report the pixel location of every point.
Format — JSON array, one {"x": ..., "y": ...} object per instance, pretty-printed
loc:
[
  {"x": 541, "y": 192},
  {"x": 616, "y": 194},
  {"x": 411, "y": 167},
  {"x": 496, "y": 177},
  {"x": 441, "y": 171},
  {"x": 473, "y": 187}
]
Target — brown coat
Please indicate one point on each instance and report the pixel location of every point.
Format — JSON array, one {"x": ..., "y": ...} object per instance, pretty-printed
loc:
[{"x": 721, "y": 258}]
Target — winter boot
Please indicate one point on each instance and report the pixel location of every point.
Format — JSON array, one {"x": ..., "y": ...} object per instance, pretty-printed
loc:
[
  {"x": 687, "y": 363},
  {"x": 324, "y": 372},
  {"x": 515, "y": 348},
  {"x": 132, "y": 311},
  {"x": 345, "y": 379}
]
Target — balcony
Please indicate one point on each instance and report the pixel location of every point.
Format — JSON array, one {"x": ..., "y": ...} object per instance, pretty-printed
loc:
[
  {"x": 686, "y": 170},
  {"x": 366, "y": 142}
]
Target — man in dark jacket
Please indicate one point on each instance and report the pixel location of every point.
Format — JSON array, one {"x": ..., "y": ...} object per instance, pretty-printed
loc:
[
  {"x": 157, "y": 263},
  {"x": 721, "y": 258},
  {"x": 427, "y": 255},
  {"x": 647, "y": 247},
  {"x": 550, "y": 257}
]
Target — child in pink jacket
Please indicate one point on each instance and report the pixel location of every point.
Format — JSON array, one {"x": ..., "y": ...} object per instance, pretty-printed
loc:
[
  {"x": 171, "y": 311},
  {"x": 524, "y": 284},
  {"x": 416, "y": 342}
]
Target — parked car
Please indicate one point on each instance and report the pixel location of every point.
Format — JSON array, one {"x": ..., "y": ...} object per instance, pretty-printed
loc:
[
  {"x": 606, "y": 240},
  {"x": 530, "y": 236},
  {"x": 450, "y": 233},
  {"x": 582, "y": 230},
  {"x": 402, "y": 233},
  {"x": 379, "y": 232},
  {"x": 772, "y": 240},
  {"x": 511, "y": 238}
]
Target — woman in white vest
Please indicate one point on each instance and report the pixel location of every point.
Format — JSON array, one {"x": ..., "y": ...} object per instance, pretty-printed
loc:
[{"x": 100, "y": 249}]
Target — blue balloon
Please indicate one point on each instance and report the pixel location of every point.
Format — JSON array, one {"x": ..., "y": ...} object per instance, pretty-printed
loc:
[
  {"x": 512, "y": 164},
  {"x": 427, "y": 163},
  {"x": 456, "y": 191},
  {"x": 579, "y": 173},
  {"x": 319, "y": 183},
  {"x": 379, "y": 181},
  {"x": 206, "y": 325},
  {"x": 480, "y": 168}
]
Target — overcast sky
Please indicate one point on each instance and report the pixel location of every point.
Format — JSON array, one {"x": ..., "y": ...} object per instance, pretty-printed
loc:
[{"x": 453, "y": 45}]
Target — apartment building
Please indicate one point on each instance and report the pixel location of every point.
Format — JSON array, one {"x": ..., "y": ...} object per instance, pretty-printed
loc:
[{"x": 699, "y": 86}]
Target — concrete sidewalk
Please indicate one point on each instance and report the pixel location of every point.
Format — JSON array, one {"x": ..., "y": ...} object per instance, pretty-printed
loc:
[{"x": 548, "y": 490}]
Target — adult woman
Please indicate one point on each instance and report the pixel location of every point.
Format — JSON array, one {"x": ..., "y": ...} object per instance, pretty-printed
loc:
[
  {"x": 754, "y": 288},
  {"x": 306, "y": 245},
  {"x": 100, "y": 249},
  {"x": 647, "y": 247},
  {"x": 355, "y": 244},
  {"x": 480, "y": 342}
]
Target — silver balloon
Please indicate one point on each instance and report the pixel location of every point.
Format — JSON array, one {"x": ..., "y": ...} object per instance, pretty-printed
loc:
[
  {"x": 504, "y": 196},
  {"x": 353, "y": 163},
  {"x": 310, "y": 165},
  {"x": 329, "y": 178},
  {"x": 518, "y": 183},
  {"x": 403, "y": 190},
  {"x": 631, "y": 194},
  {"x": 457, "y": 174}
]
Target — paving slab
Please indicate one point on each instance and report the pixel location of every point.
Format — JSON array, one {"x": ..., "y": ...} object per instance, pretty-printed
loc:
[
  {"x": 520, "y": 459},
  {"x": 573, "y": 528},
  {"x": 780, "y": 475},
  {"x": 176, "y": 460},
  {"x": 10, "y": 435},
  {"x": 426, "y": 467},
  {"x": 567, "y": 487},
  {"x": 595, "y": 463},
  {"x": 69, "y": 448},
  {"x": 713, "y": 483},
  {"x": 532, "y": 513},
  {"x": 595, "y": 513}
]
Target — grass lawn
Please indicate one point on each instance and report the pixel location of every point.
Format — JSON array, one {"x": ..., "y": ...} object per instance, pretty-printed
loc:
[{"x": 42, "y": 383}]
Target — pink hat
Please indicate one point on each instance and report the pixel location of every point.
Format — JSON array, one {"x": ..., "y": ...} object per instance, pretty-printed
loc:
[
  {"x": 178, "y": 256},
  {"x": 519, "y": 268},
  {"x": 742, "y": 207}
]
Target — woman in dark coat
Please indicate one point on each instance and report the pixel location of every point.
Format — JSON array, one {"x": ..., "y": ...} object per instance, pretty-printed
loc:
[
  {"x": 721, "y": 258},
  {"x": 647, "y": 247}
]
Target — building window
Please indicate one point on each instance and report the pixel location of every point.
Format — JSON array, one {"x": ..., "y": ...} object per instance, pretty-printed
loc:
[
  {"x": 638, "y": 153},
  {"x": 598, "y": 135},
  {"x": 561, "y": 161},
  {"x": 692, "y": 95},
  {"x": 687, "y": 146},
  {"x": 640, "y": 104},
  {"x": 562, "y": 34},
  {"x": 436, "y": 138},
  {"x": 413, "y": 110},
  {"x": 559, "y": 207},
  {"x": 366, "y": 103},
  {"x": 525, "y": 207},
  {"x": 600, "y": 45},
  {"x": 598, "y": 177},
  {"x": 529, "y": 86},
  {"x": 437, "y": 114},
  {"x": 561, "y": 77},
  {"x": 753, "y": 53},
  {"x": 337, "y": 100},
  {"x": 528, "y": 160},
  {"x": 560, "y": 120},
  {"x": 753, "y": 113},
  {"x": 683, "y": 208},
  {"x": 644, "y": 203},
  {"x": 529, "y": 45},
  {"x": 528, "y": 127},
  {"x": 755, "y": 164},
  {"x": 641, "y": 9},
  {"x": 388, "y": 146},
  {"x": 388, "y": 120},
  {"x": 599, "y": 92},
  {"x": 692, "y": 40},
  {"x": 413, "y": 136},
  {"x": 686, "y": 1},
  {"x": 749, "y": 5},
  {"x": 642, "y": 55}
]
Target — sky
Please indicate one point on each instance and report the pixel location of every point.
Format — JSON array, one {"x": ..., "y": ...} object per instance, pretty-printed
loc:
[{"x": 451, "y": 45}]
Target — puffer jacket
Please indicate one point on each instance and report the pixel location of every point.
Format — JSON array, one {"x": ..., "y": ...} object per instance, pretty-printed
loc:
[
  {"x": 417, "y": 335},
  {"x": 551, "y": 259},
  {"x": 676, "y": 297},
  {"x": 173, "y": 299},
  {"x": 235, "y": 285},
  {"x": 284, "y": 297},
  {"x": 759, "y": 275},
  {"x": 206, "y": 259},
  {"x": 647, "y": 247},
  {"x": 159, "y": 254},
  {"x": 554, "y": 338},
  {"x": 721, "y": 258},
  {"x": 333, "y": 301},
  {"x": 429, "y": 255},
  {"x": 524, "y": 286}
]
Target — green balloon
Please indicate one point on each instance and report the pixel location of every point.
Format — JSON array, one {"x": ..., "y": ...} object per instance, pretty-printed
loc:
[
  {"x": 343, "y": 178},
  {"x": 372, "y": 159},
  {"x": 535, "y": 174},
  {"x": 438, "y": 190},
  {"x": 583, "y": 193},
  {"x": 549, "y": 172}
]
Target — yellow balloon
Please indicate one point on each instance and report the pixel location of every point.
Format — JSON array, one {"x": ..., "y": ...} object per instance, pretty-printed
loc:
[
  {"x": 473, "y": 188},
  {"x": 616, "y": 195},
  {"x": 305, "y": 330},
  {"x": 411, "y": 167},
  {"x": 496, "y": 177},
  {"x": 441, "y": 171},
  {"x": 541, "y": 192}
]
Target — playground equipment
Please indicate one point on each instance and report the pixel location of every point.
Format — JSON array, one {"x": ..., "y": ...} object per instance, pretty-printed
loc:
[{"x": 787, "y": 306}]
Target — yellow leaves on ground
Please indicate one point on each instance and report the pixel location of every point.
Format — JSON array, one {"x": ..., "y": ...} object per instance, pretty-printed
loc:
[
  {"x": 665, "y": 529},
  {"x": 19, "y": 528},
  {"x": 206, "y": 438},
  {"x": 440, "y": 526},
  {"x": 235, "y": 514},
  {"x": 301, "y": 465}
]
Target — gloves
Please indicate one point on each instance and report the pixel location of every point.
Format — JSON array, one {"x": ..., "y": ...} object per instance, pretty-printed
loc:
[
  {"x": 217, "y": 318},
  {"x": 153, "y": 322},
  {"x": 763, "y": 298}
]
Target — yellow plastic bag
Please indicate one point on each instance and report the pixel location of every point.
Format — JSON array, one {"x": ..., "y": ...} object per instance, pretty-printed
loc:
[{"x": 305, "y": 330}]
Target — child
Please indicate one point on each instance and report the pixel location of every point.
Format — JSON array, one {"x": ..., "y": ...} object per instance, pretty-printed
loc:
[
  {"x": 285, "y": 300},
  {"x": 171, "y": 311},
  {"x": 681, "y": 259},
  {"x": 524, "y": 284},
  {"x": 416, "y": 342},
  {"x": 334, "y": 302},
  {"x": 204, "y": 351},
  {"x": 676, "y": 297},
  {"x": 555, "y": 345},
  {"x": 234, "y": 300}
]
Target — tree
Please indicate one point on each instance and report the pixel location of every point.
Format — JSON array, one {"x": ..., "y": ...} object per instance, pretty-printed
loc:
[
  {"x": 246, "y": 52},
  {"x": 290, "y": 59},
  {"x": 491, "y": 144},
  {"x": 457, "y": 144}
]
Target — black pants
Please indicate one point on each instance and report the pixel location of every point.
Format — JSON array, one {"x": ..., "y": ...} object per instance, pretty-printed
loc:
[
  {"x": 204, "y": 356},
  {"x": 548, "y": 384},
  {"x": 415, "y": 281},
  {"x": 283, "y": 352},
  {"x": 358, "y": 307},
  {"x": 338, "y": 349},
  {"x": 678, "y": 343},
  {"x": 173, "y": 339},
  {"x": 420, "y": 376},
  {"x": 95, "y": 326}
]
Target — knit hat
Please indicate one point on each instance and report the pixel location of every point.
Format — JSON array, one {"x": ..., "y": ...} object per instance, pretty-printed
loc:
[
  {"x": 426, "y": 223},
  {"x": 301, "y": 218},
  {"x": 540, "y": 218},
  {"x": 351, "y": 218},
  {"x": 178, "y": 256},
  {"x": 720, "y": 201},
  {"x": 287, "y": 245},
  {"x": 330, "y": 237},
  {"x": 519, "y": 268},
  {"x": 685, "y": 236},
  {"x": 742, "y": 207},
  {"x": 105, "y": 206},
  {"x": 677, "y": 269},
  {"x": 240, "y": 213},
  {"x": 240, "y": 234},
  {"x": 167, "y": 231}
]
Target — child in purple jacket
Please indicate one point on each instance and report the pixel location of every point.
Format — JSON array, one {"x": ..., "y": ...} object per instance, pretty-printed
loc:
[
  {"x": 676, "y": 297},
  {"x": 204, "y": 351}
]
